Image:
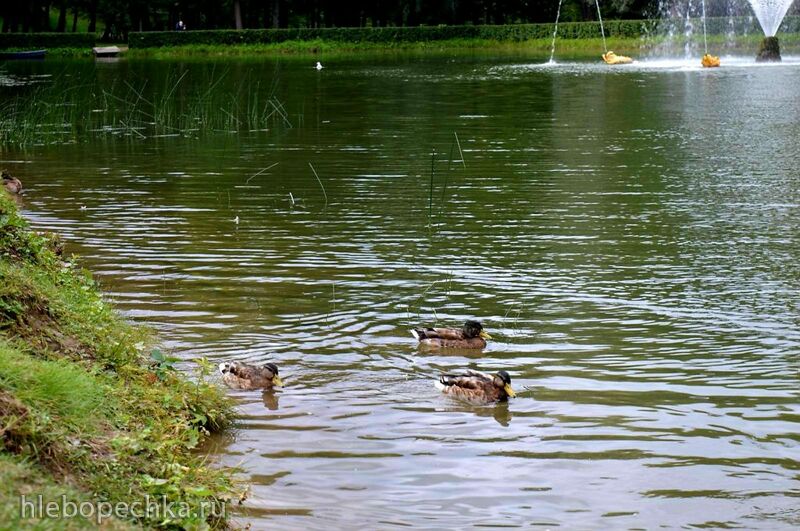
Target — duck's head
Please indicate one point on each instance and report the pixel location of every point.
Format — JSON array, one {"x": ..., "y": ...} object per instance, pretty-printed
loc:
[
  {"x": 271, "y": 367},
  {"x": 474, "y": 329},
  {"x": 502, "y": 379}
]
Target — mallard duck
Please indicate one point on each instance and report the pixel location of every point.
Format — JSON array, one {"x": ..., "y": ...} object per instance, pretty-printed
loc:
[
  {"x": 240, "y": 375},
  {"x": 710, "y": 61},
  {"x": 471, "y": 335},
  {"x": 11, "y": 183},
  {"x": 476, "y": 386},
  {"x": 614, "y": 59}
]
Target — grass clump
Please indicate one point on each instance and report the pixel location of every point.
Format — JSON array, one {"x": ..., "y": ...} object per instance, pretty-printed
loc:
[
  {"x": 63, "y": 110},
  {"x": 84, "y": 404}
]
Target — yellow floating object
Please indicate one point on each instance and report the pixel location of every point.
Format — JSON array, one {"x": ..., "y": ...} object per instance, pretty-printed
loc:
[
  {"x": 710, "y": 61},
  {"x": 614, "y": 59}
]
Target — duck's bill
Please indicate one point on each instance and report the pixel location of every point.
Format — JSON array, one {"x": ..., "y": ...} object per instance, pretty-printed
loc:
[
  {"x": 510, "y": 392},
  {"x": 485, "y": 335},
  {"x": 277, "y": 381}
]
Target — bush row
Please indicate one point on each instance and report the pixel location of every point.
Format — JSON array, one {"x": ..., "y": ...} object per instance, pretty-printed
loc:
[
  {"x": 47, "y": 40},
  {"x": 516, "y": 32}
]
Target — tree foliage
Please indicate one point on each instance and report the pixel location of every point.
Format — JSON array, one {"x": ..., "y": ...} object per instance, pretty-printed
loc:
[{"x": 118, "y": 17}]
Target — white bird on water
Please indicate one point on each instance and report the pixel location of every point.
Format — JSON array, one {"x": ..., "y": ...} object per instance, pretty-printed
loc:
[
  {"x": 319, "y": 66},
  {"x": 236, "y": 220}
]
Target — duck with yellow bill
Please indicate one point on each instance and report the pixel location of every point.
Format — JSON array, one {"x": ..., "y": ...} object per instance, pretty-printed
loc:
[
  {"x": 477, "y": 387},
  {"x": 470, "y": 336}
]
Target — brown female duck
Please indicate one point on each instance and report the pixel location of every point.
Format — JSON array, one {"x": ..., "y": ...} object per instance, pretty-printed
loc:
[
  {"x": 11, "y": 183},
  {"x": 240, "y": 375},
  {"x": 469, "y": 336},
  {"x": 478, "y": 387}
]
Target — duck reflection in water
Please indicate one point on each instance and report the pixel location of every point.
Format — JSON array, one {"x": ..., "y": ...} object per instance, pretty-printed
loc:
[
  {"x": 499, "y": 411},
  {"x": 270, "y": 399}
]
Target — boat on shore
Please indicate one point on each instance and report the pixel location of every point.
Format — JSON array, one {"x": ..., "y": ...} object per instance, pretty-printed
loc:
[{"x": 25, "y": 54}]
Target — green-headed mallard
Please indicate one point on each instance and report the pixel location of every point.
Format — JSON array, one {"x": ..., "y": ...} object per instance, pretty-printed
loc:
[
  {"x": 475, "y": 386},
  {"x": 11, "y": 183},
  {"x": 471, "y": 335},
  {"x": 239, "y": 375}
]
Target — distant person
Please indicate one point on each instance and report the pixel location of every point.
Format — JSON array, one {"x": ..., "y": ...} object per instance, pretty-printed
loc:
[{"x": 180, "y": 26}]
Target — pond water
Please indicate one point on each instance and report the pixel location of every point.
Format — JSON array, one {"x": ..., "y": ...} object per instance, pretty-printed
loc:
[{"x": 630, "y": 237}]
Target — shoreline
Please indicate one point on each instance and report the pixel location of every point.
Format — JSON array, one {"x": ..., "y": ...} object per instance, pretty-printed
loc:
[
  {"x": 326, "y": 49},
  {"x": 92, "y": 415}
]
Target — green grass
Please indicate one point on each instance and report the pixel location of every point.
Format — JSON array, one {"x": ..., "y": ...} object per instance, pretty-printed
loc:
[
  {"x": 332, "y": 48},
  {"x": 84, "y": 403},
  {"x": 572, "y": 47},
  {"x": 22, "y": 477},
  {"x": 60, "y": 388}
]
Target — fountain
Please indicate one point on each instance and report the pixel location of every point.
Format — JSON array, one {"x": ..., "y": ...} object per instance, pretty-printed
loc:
[
  {"x": 770, "y": 14},
  {"x": 609, "y": 57},
  {"x": 708, "y": 60}
]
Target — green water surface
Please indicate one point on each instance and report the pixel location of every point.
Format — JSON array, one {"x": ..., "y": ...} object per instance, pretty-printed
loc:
[{"x": 630, "y": 237}]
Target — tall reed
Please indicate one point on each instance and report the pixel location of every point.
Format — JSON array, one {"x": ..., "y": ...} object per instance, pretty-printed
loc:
[{"x": 61, "y": 111}]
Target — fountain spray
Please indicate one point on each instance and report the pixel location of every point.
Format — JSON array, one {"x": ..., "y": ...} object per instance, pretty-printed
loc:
[
  {"x": 770, "y": 14},
  {"x": 705, "y": 37},
  {"x": 708, "y": 61},
  {"x": 602, "y": 31},
  {"x": 555, "y": 31}
]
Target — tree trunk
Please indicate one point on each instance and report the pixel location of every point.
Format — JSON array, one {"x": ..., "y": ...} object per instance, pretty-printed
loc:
[
  {"x": 75, "y": 20},
  {"x": 237, "y": 13},
  {"x": 93, "y": 16},
  {"x": 26, "y": 19},
  {"x": 276, "y": 13},
  {"x": 62, "y": 17}
]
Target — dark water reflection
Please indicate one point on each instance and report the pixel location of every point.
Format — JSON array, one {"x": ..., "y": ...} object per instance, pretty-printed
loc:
[{"x": 629, "y": 237}]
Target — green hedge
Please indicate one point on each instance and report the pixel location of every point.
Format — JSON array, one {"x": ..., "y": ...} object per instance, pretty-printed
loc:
[
  {"x": 517, "y": 32},
  {"x": 47, "y": 40}
]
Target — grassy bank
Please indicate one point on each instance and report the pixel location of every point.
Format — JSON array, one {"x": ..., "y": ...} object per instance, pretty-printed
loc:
[
  {"x": 87, "y": 409},
  {"x": 334, "y": 48},
  {"x": 586, "y": 48}
]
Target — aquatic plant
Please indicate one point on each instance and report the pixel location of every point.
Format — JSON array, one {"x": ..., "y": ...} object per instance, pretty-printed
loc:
[{"x": 63, "y": 111}]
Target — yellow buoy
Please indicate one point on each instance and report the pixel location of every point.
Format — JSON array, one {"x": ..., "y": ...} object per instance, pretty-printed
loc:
[
  {"x": 710, "y": 61},
  {"x": 614, "y": 59}
]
